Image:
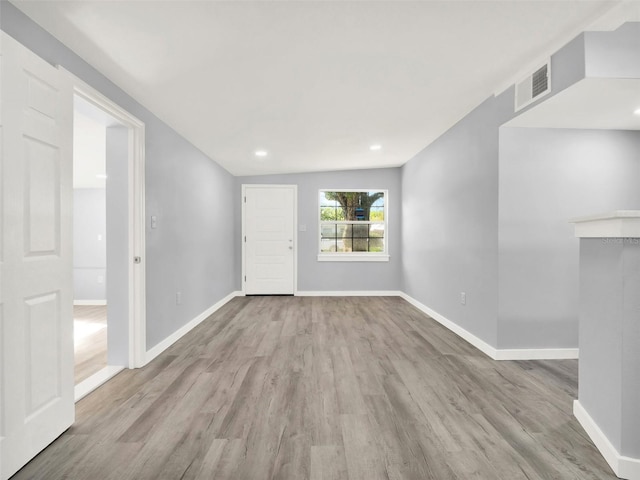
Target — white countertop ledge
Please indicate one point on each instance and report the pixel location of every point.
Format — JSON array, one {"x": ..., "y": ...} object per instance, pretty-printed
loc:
[{"x": 618, "y": 224}]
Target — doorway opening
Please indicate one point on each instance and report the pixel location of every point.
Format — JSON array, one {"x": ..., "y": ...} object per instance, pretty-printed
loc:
[
  {"x": 109, "y": 295},
  {"x": 90, "y": 267}
]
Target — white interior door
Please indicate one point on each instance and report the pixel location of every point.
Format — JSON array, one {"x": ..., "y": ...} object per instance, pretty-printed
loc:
[
  {"x": 269, "y": 235},
  {"x": 36, "y": 325}
]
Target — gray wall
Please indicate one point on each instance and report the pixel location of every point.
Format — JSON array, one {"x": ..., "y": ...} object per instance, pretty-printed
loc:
[
  {"x": 453, "y": 187},
  {"x": 614, "y": 54},
  {"x": 450, "y": 221},
  {"x": 546, "y": 178},
  {"x": 89, "y": 253},
  {"x": 336, "y": 276},
  {"x": 118, "y": 245},
  {"x": 610, "y": 339},
  {"x": 193, "y": 248}
]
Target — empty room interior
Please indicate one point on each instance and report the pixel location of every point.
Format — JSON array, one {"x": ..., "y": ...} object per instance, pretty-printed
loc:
[{"x": 320, "y": 240}]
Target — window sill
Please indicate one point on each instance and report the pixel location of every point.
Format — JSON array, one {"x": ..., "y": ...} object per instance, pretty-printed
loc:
[{"x": 352, "y": 257}]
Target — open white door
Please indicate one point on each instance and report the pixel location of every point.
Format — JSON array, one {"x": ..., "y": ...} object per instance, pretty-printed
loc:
[
  {"x": 269, "y": 217},
  {"x": 36, "y": 325}
]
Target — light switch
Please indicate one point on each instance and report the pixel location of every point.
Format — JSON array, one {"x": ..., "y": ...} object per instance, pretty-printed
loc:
[
  {"x": 154, "y": 221},
  {"x": 302, "y": 227}
]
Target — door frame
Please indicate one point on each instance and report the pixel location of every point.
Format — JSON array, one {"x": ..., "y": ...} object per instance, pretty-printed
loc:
[
  {"x": 295, "y": 231},
  {"x": 137, "y": 348}
]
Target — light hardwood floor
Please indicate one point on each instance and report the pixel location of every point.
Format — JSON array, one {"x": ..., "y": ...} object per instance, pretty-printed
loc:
[
  {"x": 90, "y": 340},
  {"x": 327, "y": 388}
]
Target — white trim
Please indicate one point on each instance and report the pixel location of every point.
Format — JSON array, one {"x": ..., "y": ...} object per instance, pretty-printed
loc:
[
  {"x": 352, "y": 257},
  {"x": 295, "y": 230},
  {"x": 136, "y": 199},
  {"x": 349, "y": 293},
  {"x": 90, "y": 302},
  {"x": 618, "y": 224},
  {"x": 458, "y": 330},
  {"x": 87, "y": 386},
  {"x": 495, "y": 353},
  {"x": 178, "y": 334},
  {"x": 623, "y": 467},
  {"x": 536, "y": 354}
]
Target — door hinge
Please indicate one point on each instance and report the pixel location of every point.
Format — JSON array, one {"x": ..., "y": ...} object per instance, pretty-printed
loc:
[
  {"x": 245, "y": 239},
  {"x": 245, "y": 199},
  {"x": 245, "y": 278}
]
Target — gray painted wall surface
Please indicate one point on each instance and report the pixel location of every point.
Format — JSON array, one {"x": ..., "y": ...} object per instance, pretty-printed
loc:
[
  {"x": 631, "y": 349},
  {"x": 614, "y": 54},
  {"x": 546, "y": 178},
  {"x": 610, "y": 339},
  {"x": 117, "y": 245},
  {"x": 450, "y": 220},
  {"x": 338, "y": 276},
  {"x": 89, "y": 253},
  {"x": 193, "y": 248},
  {"x": 600, "y": 371},
  {"x": 455, "y": 248}
]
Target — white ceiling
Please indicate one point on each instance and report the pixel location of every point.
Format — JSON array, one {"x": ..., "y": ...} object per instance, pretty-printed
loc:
[{"x": 314, "y": 83}]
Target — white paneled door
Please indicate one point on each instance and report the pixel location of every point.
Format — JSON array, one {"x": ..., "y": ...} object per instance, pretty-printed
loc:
[
  {"x": 36, "y": 325},
  {"x": 269, "y": 239}
]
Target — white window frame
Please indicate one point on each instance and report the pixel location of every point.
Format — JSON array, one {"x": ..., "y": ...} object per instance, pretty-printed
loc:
[{"x": 354, "y": 256}]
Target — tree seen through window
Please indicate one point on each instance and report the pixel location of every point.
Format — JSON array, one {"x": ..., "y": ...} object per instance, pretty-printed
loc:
[{"x": 352, "y": 221}]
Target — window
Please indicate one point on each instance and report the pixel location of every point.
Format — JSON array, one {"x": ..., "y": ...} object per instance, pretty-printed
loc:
[{"x": 353, "y": 225}]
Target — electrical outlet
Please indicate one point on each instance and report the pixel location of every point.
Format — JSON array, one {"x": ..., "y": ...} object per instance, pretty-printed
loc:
[
  {"x": 178, "y": 298},
  {"x": 154, "y": 221},
  {"x": 463, "y": 298}
]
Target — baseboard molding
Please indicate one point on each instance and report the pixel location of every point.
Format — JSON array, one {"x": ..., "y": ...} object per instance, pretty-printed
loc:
[
  {"x": 178, "y": 334},
  {"x": 348, "y": 293},
  {"x": 492, "y": 352},
  {"x": 87, "y": 386},
  {"x": 89, "y": 302},
  {"x": 458, "y": 330},
  {"x": 624, "y": 467},
  {"x": 536, "y": 354}
]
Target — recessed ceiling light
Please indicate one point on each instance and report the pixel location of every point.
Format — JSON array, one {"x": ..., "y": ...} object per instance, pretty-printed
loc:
[
  {"x": 636, "y": 111},
  {"x": 261, "y": 153},
  {"x": 375, "y": 147},
  {"x": 101, "y": 175}
]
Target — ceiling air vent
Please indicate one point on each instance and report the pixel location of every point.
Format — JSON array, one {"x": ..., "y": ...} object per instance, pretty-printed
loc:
[{"x": 534, "y": 86}]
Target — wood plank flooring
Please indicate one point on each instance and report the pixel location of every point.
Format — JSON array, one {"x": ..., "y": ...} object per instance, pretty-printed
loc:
[
  {"x": 343, "y": 388},
  {"x": 90, "y": 340}
]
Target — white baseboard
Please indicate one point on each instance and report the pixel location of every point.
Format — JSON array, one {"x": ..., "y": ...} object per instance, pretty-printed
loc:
[
  {"x": 458, "y": 330},
  {"x": 175, "y": 336},
  {"x": 89, "y": 302},
  {"x": 536, "y": 354},
  {"x": 495, "y": 353},
  {"x": 348, "y": 293},
  {"x": 87, "y": 386},
  {"x": 624, "y": 467}
]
